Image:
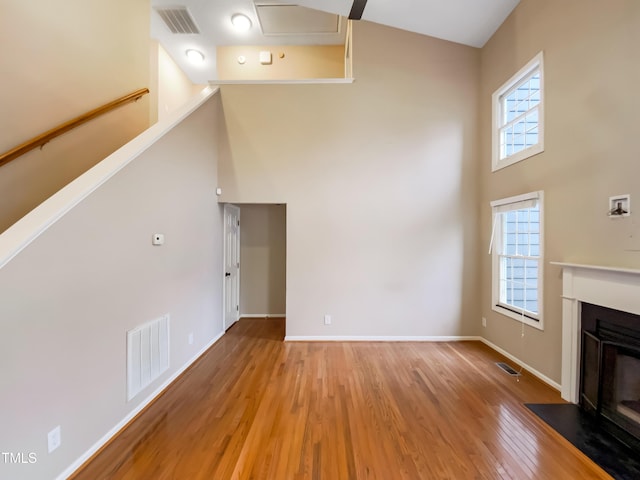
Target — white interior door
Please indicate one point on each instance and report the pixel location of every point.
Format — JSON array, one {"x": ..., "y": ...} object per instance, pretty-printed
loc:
[{"x": 231, "y": 284}]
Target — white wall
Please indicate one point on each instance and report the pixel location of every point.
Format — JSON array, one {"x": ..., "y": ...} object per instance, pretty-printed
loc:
[
  {"x": 379, "y": 178},
  {"x": 68, "y": 299}
]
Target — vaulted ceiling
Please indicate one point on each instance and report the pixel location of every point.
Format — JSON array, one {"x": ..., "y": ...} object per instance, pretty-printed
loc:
[{"x": 470, "y": 22}]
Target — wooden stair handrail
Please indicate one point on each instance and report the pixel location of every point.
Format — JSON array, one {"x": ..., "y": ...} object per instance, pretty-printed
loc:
[{"x": 46, "y": 137}]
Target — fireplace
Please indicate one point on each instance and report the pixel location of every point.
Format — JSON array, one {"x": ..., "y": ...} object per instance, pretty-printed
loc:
[
  {"x": 601, "y": 366},
  {"x": 614, "y": 288},
  {"x": 610, "y": 370}
]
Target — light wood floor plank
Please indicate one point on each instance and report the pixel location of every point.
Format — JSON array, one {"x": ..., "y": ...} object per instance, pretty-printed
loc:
[{"x": 254, "y": 407}]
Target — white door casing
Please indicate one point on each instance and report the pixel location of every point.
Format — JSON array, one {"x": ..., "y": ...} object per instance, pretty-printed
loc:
[{"x": 231, "y": 284}]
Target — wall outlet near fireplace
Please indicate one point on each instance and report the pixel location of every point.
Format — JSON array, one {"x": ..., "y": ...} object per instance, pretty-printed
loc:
[{"x": 484, "y": 322}]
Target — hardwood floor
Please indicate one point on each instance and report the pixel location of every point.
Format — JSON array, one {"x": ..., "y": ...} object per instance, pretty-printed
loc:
[{"x": 254, "y": 407}]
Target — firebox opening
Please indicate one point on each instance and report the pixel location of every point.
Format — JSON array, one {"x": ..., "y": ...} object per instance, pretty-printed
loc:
[{"x": 610, "y": 370}]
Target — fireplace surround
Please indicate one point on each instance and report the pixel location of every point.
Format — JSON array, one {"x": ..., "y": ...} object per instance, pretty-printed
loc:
[{"x": 601, "y": 344}]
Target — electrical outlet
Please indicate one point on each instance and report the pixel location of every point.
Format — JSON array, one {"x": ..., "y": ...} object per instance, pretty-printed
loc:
[
  {"x": 158, "y": 239},
  {"x": 54, "y": 439},
  {"x": 327, "y": 319},
  {"x": 191, "y": 339},
  {"x": 484, "y": 322}
]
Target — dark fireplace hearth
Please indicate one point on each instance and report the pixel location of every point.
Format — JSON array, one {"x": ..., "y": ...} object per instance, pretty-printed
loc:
[{"x": 610, "y": 371}]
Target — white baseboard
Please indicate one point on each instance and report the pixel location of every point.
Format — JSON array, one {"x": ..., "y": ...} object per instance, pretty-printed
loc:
[
  {"x": 115, "y": 430},
  {"x": 516, "y": 360},
  {"x": 263, "y": 315},
  {"x": 368, "y": 338}
]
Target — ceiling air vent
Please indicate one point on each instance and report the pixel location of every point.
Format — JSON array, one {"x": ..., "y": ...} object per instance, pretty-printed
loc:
[{"x": 178, "y": 19}]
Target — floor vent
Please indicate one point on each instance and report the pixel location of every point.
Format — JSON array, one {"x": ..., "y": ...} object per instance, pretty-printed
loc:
[
  {"x": 147, "y": 354},
  {"x": 178, "y": 20},
  {"x": 507, "y": 368}
]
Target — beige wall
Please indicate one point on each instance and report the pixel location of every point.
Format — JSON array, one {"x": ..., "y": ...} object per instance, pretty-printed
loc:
[
  {"x": 263, "y": 259},
  {"x": 68, "y": 299},
  {"x": 174, "y": 87},
  {"x": 591, "y": 79},
  {"x": 59, "y": 61},
  {"x": 297, "y": 62},
  {"x": 379, "y": 178}
]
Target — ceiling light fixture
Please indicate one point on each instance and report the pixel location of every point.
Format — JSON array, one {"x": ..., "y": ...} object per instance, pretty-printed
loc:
[
  {"x": 195, "y": 56},
  {"x": 241, "y": 22}
]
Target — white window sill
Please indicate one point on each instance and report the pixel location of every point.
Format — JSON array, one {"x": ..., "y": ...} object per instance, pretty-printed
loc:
[
  {"x": 517, "y": 157},
  {"x": 519, "y": 317}
]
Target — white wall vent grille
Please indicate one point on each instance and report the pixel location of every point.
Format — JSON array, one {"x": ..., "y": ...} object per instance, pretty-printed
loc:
[
  {"x": 147, "y": 354},
  {"x": 178, "y": 20}
]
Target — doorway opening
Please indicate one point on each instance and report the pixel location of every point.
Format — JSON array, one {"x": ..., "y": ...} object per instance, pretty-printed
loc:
[{"x": 259, "y": 250}]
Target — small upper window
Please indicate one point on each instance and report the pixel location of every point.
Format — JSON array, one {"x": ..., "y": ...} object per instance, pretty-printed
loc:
[{"x": 518, "y": 127}]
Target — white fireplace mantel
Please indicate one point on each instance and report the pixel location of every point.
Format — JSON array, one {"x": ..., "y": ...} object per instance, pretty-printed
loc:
[{"x": 617, "y": 288}]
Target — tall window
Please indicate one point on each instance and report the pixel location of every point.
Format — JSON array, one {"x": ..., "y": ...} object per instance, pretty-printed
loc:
[
  {"x": 517, "y": 251},
  {"x": 518, "y": 116}
]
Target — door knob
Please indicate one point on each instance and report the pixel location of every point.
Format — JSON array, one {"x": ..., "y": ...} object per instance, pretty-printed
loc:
[{"x": 227, "y": 274}]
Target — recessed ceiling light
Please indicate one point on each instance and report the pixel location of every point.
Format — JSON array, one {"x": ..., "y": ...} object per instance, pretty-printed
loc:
[
  {"x": 195, "y": 56},
  {"x": 241, "y": 22}
]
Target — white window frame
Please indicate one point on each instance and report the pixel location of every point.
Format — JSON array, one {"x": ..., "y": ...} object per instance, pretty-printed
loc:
[
  {"x": 536, "y": 63},
  {"x": 498, "y": 208}
]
